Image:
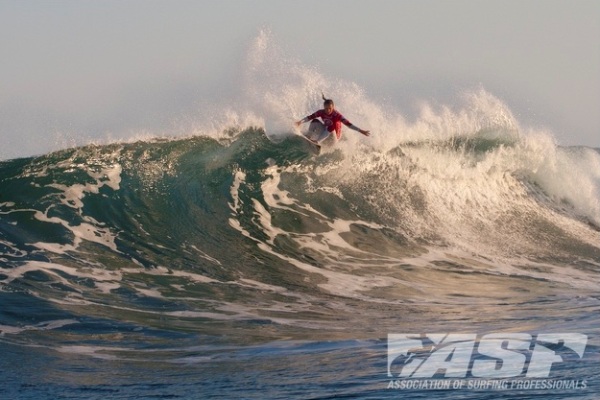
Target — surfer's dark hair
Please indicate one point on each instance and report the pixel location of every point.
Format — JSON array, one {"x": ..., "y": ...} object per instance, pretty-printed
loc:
[{"x": 326, "y": 101}]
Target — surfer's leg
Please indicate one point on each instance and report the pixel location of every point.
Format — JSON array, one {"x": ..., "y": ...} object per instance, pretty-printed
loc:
[
  {"x": 315, "y": 130},
  {"x": 324, "y": 135}
]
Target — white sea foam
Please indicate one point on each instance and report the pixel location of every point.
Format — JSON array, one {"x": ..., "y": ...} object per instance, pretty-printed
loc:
[
  {"x": 104, "y": 280},
  {"x": 72, "y": 196},
  {"x": 42, "y": 326}
]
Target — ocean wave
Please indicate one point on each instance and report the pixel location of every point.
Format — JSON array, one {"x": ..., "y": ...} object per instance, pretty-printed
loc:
[
  {"x": 82, "y": 223},
  {"x": 237, "y": 225}
]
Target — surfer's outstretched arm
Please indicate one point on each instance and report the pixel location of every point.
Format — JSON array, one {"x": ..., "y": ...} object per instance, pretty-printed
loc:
[
  {"x": 355, "y": 128},
  {"x": 307, "y": 118}
]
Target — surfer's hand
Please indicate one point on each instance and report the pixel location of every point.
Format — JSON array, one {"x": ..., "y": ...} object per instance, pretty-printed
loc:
[
  {"x": 298, "y": 123},
  {"x": 366, "y": 133}
]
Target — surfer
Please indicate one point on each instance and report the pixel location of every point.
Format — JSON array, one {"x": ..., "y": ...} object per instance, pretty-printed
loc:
[{"x": 332, "y": 122}]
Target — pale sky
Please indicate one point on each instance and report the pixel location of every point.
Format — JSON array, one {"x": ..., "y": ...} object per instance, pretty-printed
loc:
[{"x": 75, "y": 71}]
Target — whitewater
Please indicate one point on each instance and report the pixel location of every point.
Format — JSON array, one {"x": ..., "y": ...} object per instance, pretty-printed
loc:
[{"x": 229, "y": 261}]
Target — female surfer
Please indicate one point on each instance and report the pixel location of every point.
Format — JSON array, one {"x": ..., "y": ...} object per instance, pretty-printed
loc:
[{"x": 332, "y": 122}]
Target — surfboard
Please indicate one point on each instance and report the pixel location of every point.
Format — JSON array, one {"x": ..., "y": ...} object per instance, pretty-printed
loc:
[
  {"x": 313, "y": 146},
  {"x": 315, "y": 129}
]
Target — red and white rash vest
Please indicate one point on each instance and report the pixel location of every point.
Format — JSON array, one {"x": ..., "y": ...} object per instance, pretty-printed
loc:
[{"x": 333, "y": 122}]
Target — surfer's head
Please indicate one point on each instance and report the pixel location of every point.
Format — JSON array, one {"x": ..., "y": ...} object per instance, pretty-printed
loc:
[{"x": 328, "y": 105}]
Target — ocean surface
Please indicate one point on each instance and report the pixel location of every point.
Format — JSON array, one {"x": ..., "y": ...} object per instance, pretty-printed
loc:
[
  {"x": 231, "y": 262},
  {"x": 246, "y": 267}
]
